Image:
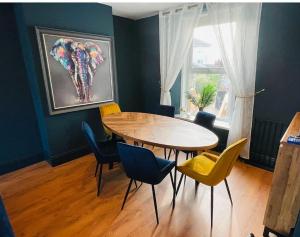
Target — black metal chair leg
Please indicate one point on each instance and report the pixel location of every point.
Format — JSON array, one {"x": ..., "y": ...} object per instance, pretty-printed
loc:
[
  {"x": 155, "y": 205},
  {"x": 135, "y": 183},
  {"x": 228, "y": 191},
  {"x": 172, "y": 181},
  {"x": 165, "y": 153},
  {"x": 175, "y": 177},
  {"x": 97, "y": 167},
  {"x": 211, "y": 206},
  {"x": 99, "y": 180},
  {"x": 180, "y": 180},
  {"x": 169, "y": 154},
  {"x": 186, "y": 158},
  {"x": 196, "y": 185},
  {"x": 126, "y": 195}
]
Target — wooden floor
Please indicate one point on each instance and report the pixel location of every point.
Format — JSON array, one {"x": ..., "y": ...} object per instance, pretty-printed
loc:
[{"x": 61, "y": 201}]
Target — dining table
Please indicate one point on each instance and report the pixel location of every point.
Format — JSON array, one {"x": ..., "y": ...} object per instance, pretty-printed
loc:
[{"x": 161, "y": 131}]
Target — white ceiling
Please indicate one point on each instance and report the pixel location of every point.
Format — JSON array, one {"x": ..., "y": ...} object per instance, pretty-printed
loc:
[{"x": 136, "y": 10}]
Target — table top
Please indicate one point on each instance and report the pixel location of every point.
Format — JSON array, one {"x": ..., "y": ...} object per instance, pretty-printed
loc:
[{"x": 160, "y": 131}]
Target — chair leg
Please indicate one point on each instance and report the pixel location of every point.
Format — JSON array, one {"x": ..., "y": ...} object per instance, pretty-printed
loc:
[
  {"x": 196, "y": 185},
  {"x": 228, "y": 191},
  {"x": 99, "y": 180},
  {"x": 180, "y": 180},
  {"x": 135, "y": 184},
  {"x": 173, "y": 185},
  {"x": 155, "y": 205},
  {"x": 169, "y": 154},
  {"x": 186, "y": 158},
  {"x": 211, "y": 206},
  {"x": 165, "y": 153},
  {"x": 126, "y": 195},
  {"x": 97, "y": 167}
]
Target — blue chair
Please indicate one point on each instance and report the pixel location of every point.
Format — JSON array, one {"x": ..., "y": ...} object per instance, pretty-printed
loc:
[
  {"x": 105, "y": 151},
  {"x": 205, "y": 119},
  {"x": 166, "y": 110},
  {"x": 141, "y": 164},
  {"x": 5, "y": 226}
]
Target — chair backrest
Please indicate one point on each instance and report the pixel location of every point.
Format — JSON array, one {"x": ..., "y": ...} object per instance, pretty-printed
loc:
[
  {"x": 205, "y": 119},
  {"x": 107, "y": 109},
  {"x": 139, "y": 163},
  {"x": 166, "y": 110},
  {"x": 226, "y": 161},
  {"x": 90, "y": 137}
]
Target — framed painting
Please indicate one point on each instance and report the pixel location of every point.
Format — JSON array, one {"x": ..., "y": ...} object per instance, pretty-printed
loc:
[{"x": 78, "y": 69}]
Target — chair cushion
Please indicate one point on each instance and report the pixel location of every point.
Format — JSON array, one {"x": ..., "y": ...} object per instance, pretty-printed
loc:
[{"x": 198, "y": 168}]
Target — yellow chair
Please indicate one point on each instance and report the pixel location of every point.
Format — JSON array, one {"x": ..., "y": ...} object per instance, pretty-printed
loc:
[
  {"x": 211, "y": 169},
  {"x": 107, "y": 109}
]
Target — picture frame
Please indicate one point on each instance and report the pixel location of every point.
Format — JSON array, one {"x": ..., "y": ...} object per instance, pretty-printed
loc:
[{"x": 79, "y": 69}]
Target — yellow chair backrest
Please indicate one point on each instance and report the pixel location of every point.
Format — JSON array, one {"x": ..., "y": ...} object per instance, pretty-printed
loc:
[
  {"x": 107, "y": 109},
  {"x": 226, "y": 161}
]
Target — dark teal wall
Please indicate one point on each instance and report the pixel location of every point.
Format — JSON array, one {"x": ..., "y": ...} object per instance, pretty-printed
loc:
[
  {"x": 19, "y": 141},
  {"x": 278, "y": 63},
  {"x": 127, "y": 57},
  {"x": 64, "y": 137},
  {"x": 148, "y": 38}
]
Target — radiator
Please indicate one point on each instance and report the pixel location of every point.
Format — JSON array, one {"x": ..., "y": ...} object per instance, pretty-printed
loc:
[{"x": 265, "y": 140}]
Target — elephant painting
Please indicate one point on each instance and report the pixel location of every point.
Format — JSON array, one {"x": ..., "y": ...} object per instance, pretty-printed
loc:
[{"x": 81, "y": 61}]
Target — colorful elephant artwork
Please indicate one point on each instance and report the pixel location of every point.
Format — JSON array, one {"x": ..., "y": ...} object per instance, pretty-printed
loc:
[{"x": 81, "y": 61}]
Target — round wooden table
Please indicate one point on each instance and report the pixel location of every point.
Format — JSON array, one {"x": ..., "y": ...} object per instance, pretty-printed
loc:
[{"x": 161, "y": 131}]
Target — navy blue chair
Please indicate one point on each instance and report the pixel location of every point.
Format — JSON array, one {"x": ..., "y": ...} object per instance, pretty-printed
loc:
[
  {"x": 141, "y": 164},
  {"x": 5, "y": 226},
  {"x": 166, "y": 110},
  {"x": 105, "y": 151},
  {"x": 205, "y": 119}
]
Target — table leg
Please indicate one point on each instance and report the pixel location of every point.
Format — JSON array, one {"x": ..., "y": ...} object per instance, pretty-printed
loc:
[{"x": 175, "y": 175}]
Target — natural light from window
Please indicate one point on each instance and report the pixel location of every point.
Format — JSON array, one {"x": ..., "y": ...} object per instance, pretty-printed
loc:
[{"x": 205, "y": 70}]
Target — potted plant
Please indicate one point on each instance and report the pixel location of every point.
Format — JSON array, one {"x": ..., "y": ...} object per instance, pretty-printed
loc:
[{"x": 203, "y": 97}]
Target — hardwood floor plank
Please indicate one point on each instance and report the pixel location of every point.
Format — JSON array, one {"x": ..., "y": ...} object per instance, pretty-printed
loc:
[{"x": 61, "y": 201}]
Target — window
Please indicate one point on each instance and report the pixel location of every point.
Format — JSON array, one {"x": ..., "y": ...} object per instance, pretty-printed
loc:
[{"x": 204, "y": 67}]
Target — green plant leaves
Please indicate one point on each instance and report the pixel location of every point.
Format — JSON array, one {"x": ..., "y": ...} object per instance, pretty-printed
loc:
[{"x": 204, "y": 97}]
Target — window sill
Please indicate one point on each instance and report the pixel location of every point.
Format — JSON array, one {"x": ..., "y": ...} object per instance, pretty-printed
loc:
[{"x": 190, "y": 118}]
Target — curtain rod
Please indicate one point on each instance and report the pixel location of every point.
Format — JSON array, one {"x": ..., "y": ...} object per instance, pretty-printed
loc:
[{"x": 181, "y": 8}]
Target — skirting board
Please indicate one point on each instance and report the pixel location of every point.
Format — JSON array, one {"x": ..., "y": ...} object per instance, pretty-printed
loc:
[
  {"x": 20, "y": 163},
  {"x": 68, "y": 156}
]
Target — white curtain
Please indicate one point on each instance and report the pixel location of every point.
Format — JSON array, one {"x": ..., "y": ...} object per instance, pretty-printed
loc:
[
  {"x": 176, "y": 27},
  {"x": 237, "y": 28}
]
